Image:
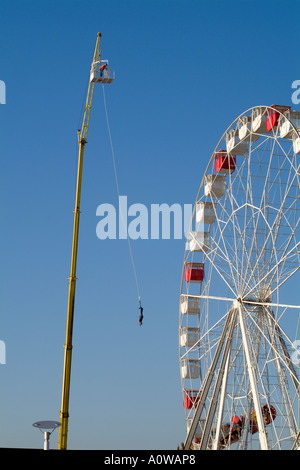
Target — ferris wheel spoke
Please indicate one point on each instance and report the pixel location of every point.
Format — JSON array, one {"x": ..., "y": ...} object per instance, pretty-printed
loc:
[
  {"x": 283, "y": 340},
  {"x": 272, "y": 323},
  {"x": 281, "y": 216},
  {"x": 294, "y": 253},
  {"x": 250, "y": 252},
  {"x": 246, "y": 301},
  {"x": 287, "y": 277},
  {"x": 224, "y": 258},
  {"x": 205, "y": 339},
  {"x": 260, "y": 251},
  {"x": 282, "y": 260},
  {"x": 249, "y": 219},
  {"x": 242, "y": 256},
  {"x": 263, "y": 216},
  {"x": 237, "y": 233},
  {"x": 222, "y": 253},
  {"x": 230, "y": 252},
  {"x": 268, "y": 329}
]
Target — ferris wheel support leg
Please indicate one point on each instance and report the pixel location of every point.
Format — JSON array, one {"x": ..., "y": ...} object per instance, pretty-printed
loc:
[
  {"x": 243, "y": 445},
  {"x": 216, "y": 441},
  {"x": 221, "y": 379},
  {"x": 207, "y": 384},
  {"x": 252, "y": 378}
]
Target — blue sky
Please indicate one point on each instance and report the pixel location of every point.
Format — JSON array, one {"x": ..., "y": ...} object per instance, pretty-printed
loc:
[{"x": 184, "y": 71}]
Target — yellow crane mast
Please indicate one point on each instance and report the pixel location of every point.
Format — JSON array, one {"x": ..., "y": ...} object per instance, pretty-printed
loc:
[{"x": 100, "y": 73}]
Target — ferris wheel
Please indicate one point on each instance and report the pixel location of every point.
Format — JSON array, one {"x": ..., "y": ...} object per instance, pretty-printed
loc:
[{"x": 239, "y": 316}]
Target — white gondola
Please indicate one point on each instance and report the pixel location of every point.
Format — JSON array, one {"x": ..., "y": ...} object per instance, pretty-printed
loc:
[
  {"x": 259, "y": 120},
  {"x": 205, "y": 212},
  {"x": 286, "y": 129},
  {"x": 190, "y": 305},
  {"x": 234, "y": 144},
  {"x": 189, "y": 337},
  {"x": 296, "y": 142},
  {"x": 190, "y": 369},
  {"x": 198, "y": 241},
  {"x": 214, "y": 185},
  {"x": 244, "y": 128},
  {"x": 101, "y": 73}
]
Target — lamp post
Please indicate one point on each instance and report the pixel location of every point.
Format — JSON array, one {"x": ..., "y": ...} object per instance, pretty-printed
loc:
[{"x": 47, "y": 428}]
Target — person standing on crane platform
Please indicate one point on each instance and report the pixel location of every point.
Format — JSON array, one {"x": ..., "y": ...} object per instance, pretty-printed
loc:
[{"x": 102, "y": 68}]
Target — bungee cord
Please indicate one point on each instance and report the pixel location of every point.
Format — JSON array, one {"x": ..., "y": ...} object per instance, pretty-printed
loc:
[{"x": 118, "y": 191}]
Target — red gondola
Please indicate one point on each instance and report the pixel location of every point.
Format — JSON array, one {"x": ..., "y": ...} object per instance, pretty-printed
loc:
[
  {"x": 224, "y": 163},
  {"x": 272, "y": 116},
  {"x": 194, "y": 272}
]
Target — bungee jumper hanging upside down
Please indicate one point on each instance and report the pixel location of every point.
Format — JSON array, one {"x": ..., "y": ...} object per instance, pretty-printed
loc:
[{"x": 141, "y": 314}]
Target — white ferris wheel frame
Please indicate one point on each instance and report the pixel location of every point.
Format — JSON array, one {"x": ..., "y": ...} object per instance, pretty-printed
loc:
[{"x": 217, "y": 373}]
